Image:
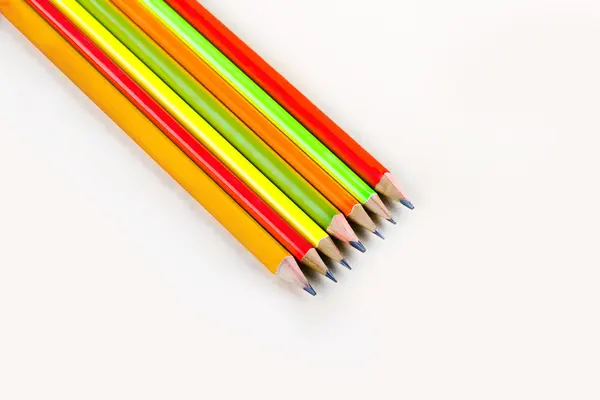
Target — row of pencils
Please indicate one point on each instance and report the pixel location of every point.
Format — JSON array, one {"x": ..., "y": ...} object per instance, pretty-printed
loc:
[{"x": 271, "y": 167}]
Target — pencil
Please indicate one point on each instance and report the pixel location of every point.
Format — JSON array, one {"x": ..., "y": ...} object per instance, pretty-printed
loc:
[
  {"x": 252, "y": 204},
  {"x": 269, "y": 107},
  {"x": 306, "y": 167},
  {"x": 290, "y": 98},
  {"x": 197, "y": 126},
  {"x": 258, "y": 241},
  {"x": 307, "y": 198}
]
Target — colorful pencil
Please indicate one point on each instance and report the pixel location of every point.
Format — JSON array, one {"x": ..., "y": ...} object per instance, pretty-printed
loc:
[
  {"x": 195, "y": 124},
  {"x": 235, "y": 102},
  {"x": 269, "y": 107},
  {"x": 317, "y": 207},
  {"x": 290, "y": 98},
  {"x": 250, "y": 202},
  {"x": 258, "y": 241}
]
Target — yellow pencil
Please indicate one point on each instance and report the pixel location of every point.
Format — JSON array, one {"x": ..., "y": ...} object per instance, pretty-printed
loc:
[
  {"x": 201, "y": 129},
  {"x": 223, "y": 208}
]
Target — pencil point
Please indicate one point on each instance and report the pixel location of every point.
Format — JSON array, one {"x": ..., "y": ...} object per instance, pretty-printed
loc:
[
  {"x": 392, "y": 220},
  {"x": 379, "y": 234},
  {"x": 330, "y": 276},
  {"x": 290, "y": 272},
  {"x": 406, "y": 203},
  {"x": 360, "y": 217},
  {"x": 376, "y": 206},
  {"x": 314, "y": 261},
  {"x": 389, "y": 188},
  {"x": 309, "y": 289},
  {"x": 327, "y": 247},
  {"x": 358, "y": 246},
  {"x": 345, "y": 264},
  {"x": 340, "y": 228}
]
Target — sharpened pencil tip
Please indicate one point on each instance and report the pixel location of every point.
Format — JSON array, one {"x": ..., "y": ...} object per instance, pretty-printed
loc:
[
  {"x": 345, "y": 263},
  {"x": 392, "y": 220},
  {"x": 358, "y": 246},
  {"x": 309, "y": 289},
  {"x": 406, "y": 203},
  {"x": 379, "y": 234},
  {"x": 330, "y": 276}
]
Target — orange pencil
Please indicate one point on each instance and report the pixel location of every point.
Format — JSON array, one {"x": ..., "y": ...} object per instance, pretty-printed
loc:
[{"x": 259, "y": 124}]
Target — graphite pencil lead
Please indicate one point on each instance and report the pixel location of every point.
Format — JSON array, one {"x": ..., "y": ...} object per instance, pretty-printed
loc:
[
  {"x": 406, "y": 203},
  {"x": 345, "y": 263},
  {"x": 379, "y": 234},
  {"x": 309, "y": 289},
  {"x": 359, "y": 216},
  {"x": 340, "y": 228},
  {"x": 330, "y": 275},
  {"x": 358, "y": 246}
]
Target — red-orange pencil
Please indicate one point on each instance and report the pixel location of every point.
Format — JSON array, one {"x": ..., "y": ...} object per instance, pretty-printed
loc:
[{"x": 290, "y": 98}]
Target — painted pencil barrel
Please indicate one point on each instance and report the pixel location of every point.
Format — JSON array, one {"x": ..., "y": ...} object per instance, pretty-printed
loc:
[
  {"x": 227, "y": 181},
  {"x": 145, "y": 134},
  {"x": 241, "y": 107},
  {"x": 214, "y": 112},
  {"x": 290, "y": 98},
  {"x": 262, "y": 101},
  {"x": 192, "y": 121}
]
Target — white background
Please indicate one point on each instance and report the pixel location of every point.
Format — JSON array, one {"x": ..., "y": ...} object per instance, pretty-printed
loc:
[{"x": 115, "y": 284}]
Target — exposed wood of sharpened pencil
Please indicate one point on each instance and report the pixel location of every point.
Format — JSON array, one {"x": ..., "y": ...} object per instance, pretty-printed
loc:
[
  {"x": 376, "y": 206},
  {"x": 388, "y": 187},
  {"x": 339, "y": 224},
  {"x": 290, "y": 272},
  {"x": 312, "y": 260},
  {"x": 327, "y": 247}
]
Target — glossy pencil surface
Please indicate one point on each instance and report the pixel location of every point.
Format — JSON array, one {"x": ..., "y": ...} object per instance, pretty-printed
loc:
[
  {"x": 192, "y": 121},
  {"x": 241, "y": 107},
  {"x": 309, "y": 115},
  {"x": 261, "y": 100},
  {"x": 271, "y": 254},
  {"x": 214, "y": 112},
  {"x": 252, "y": 204}
]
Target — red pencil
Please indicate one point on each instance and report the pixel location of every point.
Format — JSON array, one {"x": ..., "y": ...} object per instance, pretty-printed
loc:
[
  {"x": 260, "y": 211},
  {"x": 290, "y": 98}
]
